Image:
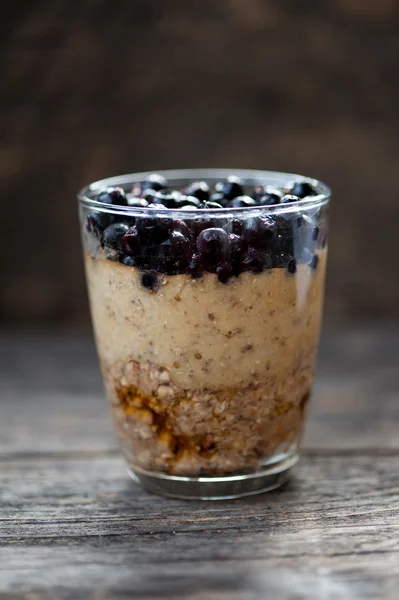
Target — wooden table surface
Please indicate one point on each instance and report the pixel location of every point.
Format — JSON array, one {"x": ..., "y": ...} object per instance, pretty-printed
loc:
[{"x": 72, "y": 524}]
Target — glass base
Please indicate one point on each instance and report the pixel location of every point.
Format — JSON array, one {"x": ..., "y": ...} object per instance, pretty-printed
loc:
[{"x": 269, "y": 478}]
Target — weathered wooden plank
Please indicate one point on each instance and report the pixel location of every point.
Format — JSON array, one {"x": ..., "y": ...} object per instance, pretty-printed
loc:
[
  {"x": 79, "y": 526},
  {"x": 43, "y": 498},
  {"x": 114, "y": 575},
  {"x": 55, "y": 422}
]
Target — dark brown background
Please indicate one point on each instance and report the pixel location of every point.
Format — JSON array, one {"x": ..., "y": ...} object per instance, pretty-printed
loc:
[{"x": 96, "y": 88}]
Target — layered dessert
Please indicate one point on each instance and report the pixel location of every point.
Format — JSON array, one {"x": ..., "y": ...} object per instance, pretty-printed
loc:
[{"x": 206, "y": 306}]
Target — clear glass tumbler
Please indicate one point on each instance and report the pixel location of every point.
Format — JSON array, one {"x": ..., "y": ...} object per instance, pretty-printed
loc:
[{"x": 207, "y": 341}]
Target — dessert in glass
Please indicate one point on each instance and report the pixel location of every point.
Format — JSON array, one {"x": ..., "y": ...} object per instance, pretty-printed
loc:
[{"x": 206, "y": 291}]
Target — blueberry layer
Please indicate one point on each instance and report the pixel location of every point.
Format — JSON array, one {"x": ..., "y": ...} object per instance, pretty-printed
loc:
[{"x": 206, "y": 243}]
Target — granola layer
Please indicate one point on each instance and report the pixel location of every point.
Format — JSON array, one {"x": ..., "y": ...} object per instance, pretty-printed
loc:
[{"x": 202, "y": 432}]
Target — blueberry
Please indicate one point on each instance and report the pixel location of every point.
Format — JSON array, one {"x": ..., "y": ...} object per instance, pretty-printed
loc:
[
  {"x": 237, "y": 244},
  {"x": 261, "y": 191},
  {"x": 224, "y": 272},
  {"x": 152, "y": 230},
  {"x": 302, "y": 189},
  {"x": 181, "y": 226},
  {"x": 137, "y": 202},
  {"x": 314, "y": 262},
  {"x": 259, "y": 232},
  {"x": 278, "y": 244},
  {"x": 219, "y": 198},
  {"x": 234, "y": 226},
  {"x": 237, "y": 227},
  {"x": 198, "y": 189},
  {"x": 195, "y": 268},
  {"x": 232, "y": 188},
  {"x": 243, "y": 202},
  {"x": 271, "y": 189},
  {"x": 269, "y": 199},
  {"x": 291, "y": 266},
  {"x": 283, "y": 245},
  {"x": 188, "y": 207},
  {"x": 113, "y": 235},
  {"x": 157, "y": 206},
  {"x": 200, "y": 223},
  {"x": 213, "y": 247},
  {"x": 289, "y": 198},
  {"x": 258, "y": 192},
  {"x": 256, "y": 261},
  {"x": 210, "y": 204},
  {"x": 174, "y": 254},
  {"x": 150, "y": 281},
  {"x": 188, "y": 201},
  {"x": 146, "y": 260},
  {"x": 96, "y": 222},
  {"x": 284, "y": 241},
  {"x": 130, "y": 242},
  {"x": 169, "y": 198},
  {"x": 150, "y": 196},
  {"x": 154, "y": 182},
  {"x": 112, "y": 195},
  {"x": 284, "y": 224},
  {"x": 237, "y": 249},
  {"x": 129, "y": 261}
]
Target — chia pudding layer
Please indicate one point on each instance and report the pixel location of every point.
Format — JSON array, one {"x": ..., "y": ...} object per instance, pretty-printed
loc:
[{"x": 207, "y": 329}]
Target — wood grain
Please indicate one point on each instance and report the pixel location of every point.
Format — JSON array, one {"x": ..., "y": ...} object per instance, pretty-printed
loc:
[
  {"x": 73, "y": 526},
  {"x": 333, "y": 528}
]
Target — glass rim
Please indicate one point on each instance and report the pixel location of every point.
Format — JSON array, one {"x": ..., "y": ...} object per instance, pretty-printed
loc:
[{"x": 197, "y": 174}]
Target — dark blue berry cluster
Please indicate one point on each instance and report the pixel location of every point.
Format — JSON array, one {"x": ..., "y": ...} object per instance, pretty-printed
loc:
[{"x": 205, "y": 242}]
